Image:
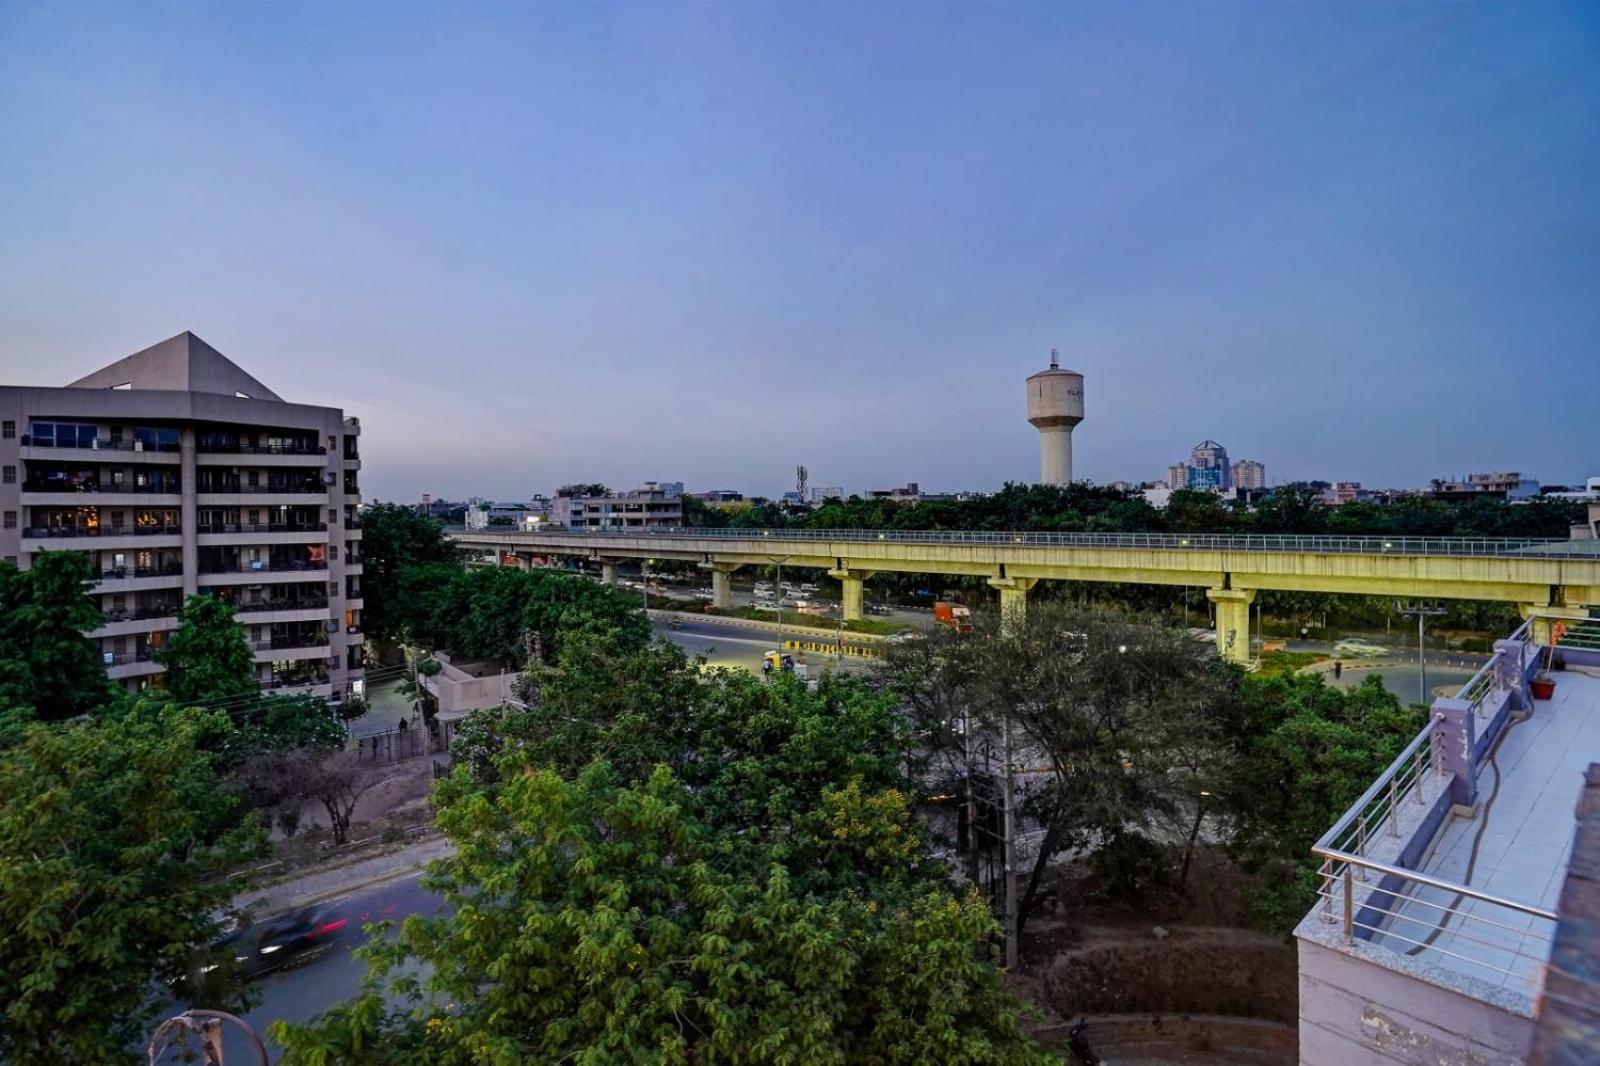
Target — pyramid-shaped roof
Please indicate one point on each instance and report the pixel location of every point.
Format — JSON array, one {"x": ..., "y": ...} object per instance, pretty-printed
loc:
[{"x": 184, "y": 363}]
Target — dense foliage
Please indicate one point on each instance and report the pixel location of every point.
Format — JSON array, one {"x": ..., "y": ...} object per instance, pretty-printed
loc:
[
  {"x": 1095, "y": 509},
  {"x": 1306, "y": 752},
  {"x": 1128, "y": 716},
  {"x": 393, "y": 538},
  {"x": 48, "y": 669},
  {"x": 207, "y": 658},
  {"x": 111, "y": 834},
  {"x": 506, "y": 615},
  {"x": 660, "y": 864}
]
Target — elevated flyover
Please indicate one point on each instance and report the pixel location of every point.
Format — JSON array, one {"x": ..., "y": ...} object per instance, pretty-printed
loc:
[{"x": 1554, "y": 578}]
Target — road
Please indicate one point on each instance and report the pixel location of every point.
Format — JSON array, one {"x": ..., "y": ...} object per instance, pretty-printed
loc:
[
  {"x": 302, "y": 991},
  {"x": 730, "y": 644}
]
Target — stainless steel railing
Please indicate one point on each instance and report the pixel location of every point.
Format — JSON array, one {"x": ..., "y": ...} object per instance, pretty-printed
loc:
[
  {"x": 1363, "y": 887},
  {"x": 1513, "y": 547}
]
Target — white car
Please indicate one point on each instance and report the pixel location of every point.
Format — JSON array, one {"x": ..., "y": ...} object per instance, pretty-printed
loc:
[
  {"x": 766, "y": 605},
  {"x": 1360, "y": 649}
]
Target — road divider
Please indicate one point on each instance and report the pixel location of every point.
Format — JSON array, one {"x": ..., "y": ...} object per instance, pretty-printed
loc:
[{"x": 831, "y": 647}]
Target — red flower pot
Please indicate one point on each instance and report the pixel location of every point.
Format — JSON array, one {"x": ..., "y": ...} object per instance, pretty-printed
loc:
[{"x": 1543, "y": 688}]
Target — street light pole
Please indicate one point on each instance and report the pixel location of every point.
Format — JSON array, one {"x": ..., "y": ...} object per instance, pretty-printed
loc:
[{"x": 1423, "y": 610}]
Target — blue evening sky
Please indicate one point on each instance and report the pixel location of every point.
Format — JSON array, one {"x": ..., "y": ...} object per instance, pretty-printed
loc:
[{"x": 530, "y": 244}]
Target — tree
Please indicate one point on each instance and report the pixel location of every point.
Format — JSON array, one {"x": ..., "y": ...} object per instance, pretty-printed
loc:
[
  {"x": 596, "y": 921},
  {"x": 112, "y": 835},
  {"x": 1306, "y": 752},
  {"x": 48, "y": 669},
  {"x": 393, "y": 538},
  {"x": 1126, "y": 715},
  {"x": 208, "y": 658}
]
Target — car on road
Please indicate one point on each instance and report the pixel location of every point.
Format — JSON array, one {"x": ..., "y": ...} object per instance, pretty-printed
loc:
[
  {"x": 284, "y": 940},
  {"x": 1360, "y": 649},
  {"x": 766, "y": 605}
]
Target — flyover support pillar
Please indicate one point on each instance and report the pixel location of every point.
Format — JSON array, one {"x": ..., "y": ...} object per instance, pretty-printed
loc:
[
  {"x": 722, "y": 584},
  {"x": 608, "y": 571},
  {"x": 853, "y": 584},
  {"x": 1233, "y": 623},
  {"x": 1013, "y": 598}
]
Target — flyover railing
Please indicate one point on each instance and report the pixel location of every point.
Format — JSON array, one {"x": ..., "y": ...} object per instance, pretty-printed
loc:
[{"x": 1500, "y": 547}]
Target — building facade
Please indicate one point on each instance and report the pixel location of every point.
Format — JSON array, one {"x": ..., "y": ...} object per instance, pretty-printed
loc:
[
  {"x": 651, "y": 506},
  {"x": 1209, "y": 470},
  {"x": 481, "y": 514},
  {"x": 177, "y": 473},
  {"x": 1490, "y": 486},
  {"x": 1249, "y": 474}
]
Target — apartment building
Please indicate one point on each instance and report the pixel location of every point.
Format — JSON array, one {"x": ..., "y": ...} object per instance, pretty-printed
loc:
[
  {"x": 176, "y": 472},
  {"x": 654, "y": 505}
]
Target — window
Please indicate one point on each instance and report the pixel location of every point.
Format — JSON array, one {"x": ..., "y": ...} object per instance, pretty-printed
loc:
[
  {"x": 155, "y": 438},
  {"x": 333, "y": 588},
  {"x": 11, "y": 520},
  {"x": 12, "y": 559},
  {"x": 333, "y": 551},
  {"x": 11, "y": 475},
  {"x": 62, "y": 434},
  {"x": 9, "y": 429}
]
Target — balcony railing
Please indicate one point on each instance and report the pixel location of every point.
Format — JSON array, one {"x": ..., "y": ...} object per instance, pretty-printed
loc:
[
  {"x": 1512, "y": 547},
  {"x": 125, "y": 658},
  {"x": 142, "y": 614},
  {"x": 310, "y": 640},
  {"x": 260, "y": 449},
  {"x": 269, "y": 527},
  {"x": 236, "y": 488},
  {"x": 64, "y": 488},
  {"x": 296, "y": 566},
  {"x": 352, "y": 523},
  {"x": 117, "y": 573},
  {"x": 1367, "y": 884},
  {"x": 281, "y": 605},
  {"x": 47, "y": 532},
  {"x": 100, "y": 445}
]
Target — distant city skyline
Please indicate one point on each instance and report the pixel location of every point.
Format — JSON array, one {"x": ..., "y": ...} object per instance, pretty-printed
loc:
[{"x": 532, "y": 243}]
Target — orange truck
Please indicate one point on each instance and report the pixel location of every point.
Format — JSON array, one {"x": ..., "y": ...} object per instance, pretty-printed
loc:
[{"x": 957, "y": 616}]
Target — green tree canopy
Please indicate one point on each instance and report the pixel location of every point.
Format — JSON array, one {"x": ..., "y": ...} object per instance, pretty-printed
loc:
[
  {"x": 48, "y": 668},
  {"x": 393, "y": 538},
  {"x": 208, "y": 657},
  {"x": 597, "y": 922},
  {"x": 112, "y": 833},
  {"x": 1307, "y": 751}
]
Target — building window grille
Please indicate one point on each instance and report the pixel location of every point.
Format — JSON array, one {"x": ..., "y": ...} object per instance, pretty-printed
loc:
[
  {"x": 10, "y": 429},
  {"x": 11, "y": 475},
  {"x": 11, "y": 520}
]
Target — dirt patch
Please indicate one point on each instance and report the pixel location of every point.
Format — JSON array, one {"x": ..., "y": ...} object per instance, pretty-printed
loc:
[{"x": 1173, "y": 954}]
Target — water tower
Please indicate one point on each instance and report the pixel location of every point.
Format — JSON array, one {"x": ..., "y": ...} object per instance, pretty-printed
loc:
[{"x": 1055, "y": 405}]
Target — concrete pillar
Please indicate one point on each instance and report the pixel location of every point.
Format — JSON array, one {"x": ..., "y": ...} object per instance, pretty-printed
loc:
[
  {"x": 189, "y": 512},
  {"x": 524, "y": 562},
  {"x": 1453, "y": 740},
  {"x": 852, "y": 583},
  {"x": 1233, "y": 623},
  {"x": 1013, "y": 597},
  {"x": 722, "y": 585},
  {"x": 608, "y": 571}
]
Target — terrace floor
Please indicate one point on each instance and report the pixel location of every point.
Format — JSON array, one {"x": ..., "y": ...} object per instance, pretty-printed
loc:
[{"x": 1526, "y": 829}]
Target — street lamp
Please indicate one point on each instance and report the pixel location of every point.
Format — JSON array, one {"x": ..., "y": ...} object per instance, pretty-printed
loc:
[{"x": 1423, "y": 610}]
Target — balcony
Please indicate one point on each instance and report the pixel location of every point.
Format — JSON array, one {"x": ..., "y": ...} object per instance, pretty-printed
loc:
[
  {"x": 141, "y": 614},
  {"x": 1438, "y": 887},
  {"x": 304, "y": 604},
  {"x": 214, "y": 448},
  {"x": 294, "y": 567},
  {"x": 58, "y": 532},
  {"x": 98, "y": 445},
  {"x": 173, "y": 568},
  {"x": 244, "y": 488},
  {"x": 56, "y": 489}
]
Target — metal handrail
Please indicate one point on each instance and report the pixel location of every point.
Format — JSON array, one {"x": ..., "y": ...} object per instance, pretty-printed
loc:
[
  {"x": 1440, "y": 883},
  {"x": 1513, "y": 547}
]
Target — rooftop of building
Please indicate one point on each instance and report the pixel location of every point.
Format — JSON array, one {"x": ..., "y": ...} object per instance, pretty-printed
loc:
[{"x": 184, "y": 363}]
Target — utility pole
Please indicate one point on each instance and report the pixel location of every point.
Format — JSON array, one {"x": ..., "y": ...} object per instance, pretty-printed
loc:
[
  {"x": 1009, "y": 857},
  {"x": 1423, "y": 610}
]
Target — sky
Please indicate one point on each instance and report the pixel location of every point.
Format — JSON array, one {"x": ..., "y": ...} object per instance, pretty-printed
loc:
[{"x": 534, "y": 244}]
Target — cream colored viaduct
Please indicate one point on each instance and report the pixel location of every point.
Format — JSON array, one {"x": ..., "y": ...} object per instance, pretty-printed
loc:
[{"x": 1547, "y": 579}]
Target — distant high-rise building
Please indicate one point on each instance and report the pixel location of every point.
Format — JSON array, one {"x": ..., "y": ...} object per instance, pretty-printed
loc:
[
  {"x": 1208, "y": 469},
  {"x": 1249, "y": 474}
]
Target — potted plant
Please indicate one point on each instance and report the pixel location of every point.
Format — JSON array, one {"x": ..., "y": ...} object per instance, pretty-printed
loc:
[{"x": 1544, "y": 685}]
